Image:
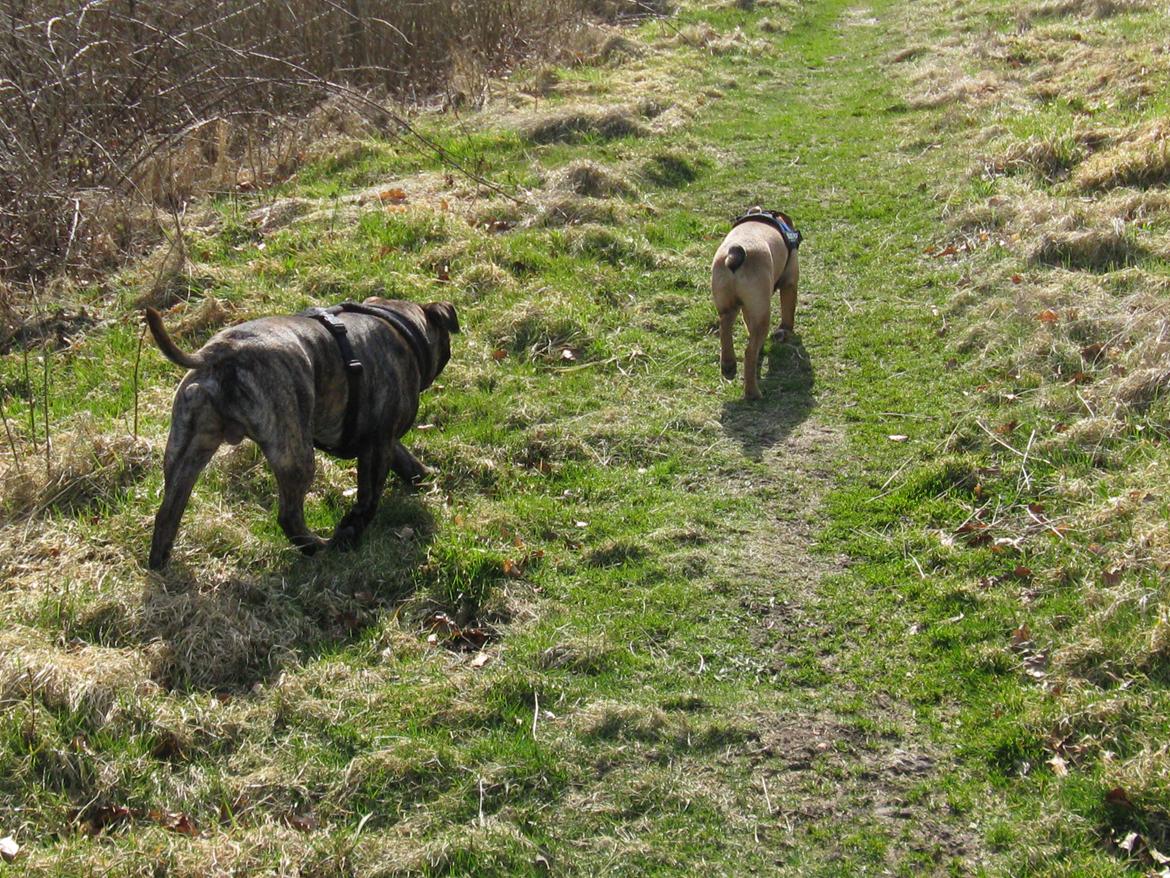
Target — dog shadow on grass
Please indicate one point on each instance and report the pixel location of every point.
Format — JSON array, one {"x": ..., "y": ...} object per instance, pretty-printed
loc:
[
  {"x": 786, "y": 382},
  {"x": 228, "y": 633}
]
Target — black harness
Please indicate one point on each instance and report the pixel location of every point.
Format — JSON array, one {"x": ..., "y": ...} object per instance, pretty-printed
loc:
[
  {"x": 415, "y": 340},
  {"x": 781, "y": 222}
]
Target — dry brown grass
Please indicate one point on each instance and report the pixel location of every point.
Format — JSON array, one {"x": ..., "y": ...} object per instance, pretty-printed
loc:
[
  {"x": 86, "y": 466},
  {"x": 1140, "y": 158},
  {"x": 569, "y": 126},
  {"x": 86, "y": 681},
  {"x": 1074, "y": 337},
  {"x": 589, "y": 178},
  {"x": 1089, "y": 8}
]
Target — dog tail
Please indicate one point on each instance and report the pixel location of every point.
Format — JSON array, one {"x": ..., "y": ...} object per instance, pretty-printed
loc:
[
  {"x": 166, "y": 345},
  {"x": 735, "y": 257}
]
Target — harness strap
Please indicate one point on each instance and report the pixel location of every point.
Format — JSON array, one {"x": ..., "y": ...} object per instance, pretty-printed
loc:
[
  {"x": 779, "y": 221},
  {"x": 413, "y": 335},
  {"x": 415, "y": 340},
  {"x": 353, "y": 377}
]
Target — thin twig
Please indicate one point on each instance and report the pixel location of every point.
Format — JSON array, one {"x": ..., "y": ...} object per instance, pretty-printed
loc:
[
  {"x": 45, "y": 354},
  {"x": 137, "y": 361},
  {"x": 28, "y": 396},
  {"x": 999, "y": 441},
  {"x": 11, "y": 441}
]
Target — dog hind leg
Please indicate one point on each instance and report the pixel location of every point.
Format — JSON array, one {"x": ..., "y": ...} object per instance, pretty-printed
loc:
[
  {"x": 727, "y": 341},
  {"x": 757, "y": 325},
  {"x": 406, "y": 465},
  {"x": 195, "y": 435}
]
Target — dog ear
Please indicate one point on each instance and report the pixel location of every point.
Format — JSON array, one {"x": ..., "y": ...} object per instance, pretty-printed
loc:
[{"x": 442, "y": 313}]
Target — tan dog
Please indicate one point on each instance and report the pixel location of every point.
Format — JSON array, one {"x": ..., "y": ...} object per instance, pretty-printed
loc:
[{"x": 753, "y": 260}]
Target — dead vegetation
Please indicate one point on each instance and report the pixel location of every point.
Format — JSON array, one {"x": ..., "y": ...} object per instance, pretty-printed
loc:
[
  {"x": 1069, "y": 325},
  {"x": 118, "y": 116}
]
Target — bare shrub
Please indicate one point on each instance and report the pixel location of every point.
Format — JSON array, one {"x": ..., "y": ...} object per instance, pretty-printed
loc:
[{"x": 108, "y": 105}]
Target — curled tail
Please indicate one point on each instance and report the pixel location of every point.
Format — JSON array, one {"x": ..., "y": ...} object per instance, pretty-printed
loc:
[
  {"x": 166, "y": 345},
  {"x": 735, "y": 257}
]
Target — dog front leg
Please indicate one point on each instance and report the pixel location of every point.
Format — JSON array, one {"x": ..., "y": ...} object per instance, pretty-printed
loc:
[
  {"x": 292, "y": 465},
  {"x": 373, "y": 467},
  {"x": 406, "y": 465}
]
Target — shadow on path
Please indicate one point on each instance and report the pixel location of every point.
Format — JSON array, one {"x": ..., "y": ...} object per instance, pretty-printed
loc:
[
  {"x": 227, "y": 633},
  {"x": 787, "y": 385}
]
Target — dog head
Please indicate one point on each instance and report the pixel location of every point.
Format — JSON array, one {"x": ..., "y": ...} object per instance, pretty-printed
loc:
[
  {"x": 435, "y": 321},
  {"x": 442, "y": 323}
]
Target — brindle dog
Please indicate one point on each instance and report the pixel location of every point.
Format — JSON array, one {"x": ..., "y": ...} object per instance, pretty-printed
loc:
[{"x": 282, "y": 382}]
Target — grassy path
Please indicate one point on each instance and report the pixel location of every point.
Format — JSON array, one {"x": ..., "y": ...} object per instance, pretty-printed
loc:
[{"x": 702, "y": 652}]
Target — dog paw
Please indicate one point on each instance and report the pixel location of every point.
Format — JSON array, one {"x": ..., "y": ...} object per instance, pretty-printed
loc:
[
  {"x": 753, "y": 394},
  {"x": 728, "y": 369},
  {"x": 309, "y": 546},
  {"x": 416, "y": 477},
  {"x": 345, "y": 538}
]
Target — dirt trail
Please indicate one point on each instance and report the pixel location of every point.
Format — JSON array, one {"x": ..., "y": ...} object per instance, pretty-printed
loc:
[{"x": 841, "y": 768}]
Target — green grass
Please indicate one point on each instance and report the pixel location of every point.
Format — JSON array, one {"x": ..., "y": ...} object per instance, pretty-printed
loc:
[{"x": 718, "y": 637}]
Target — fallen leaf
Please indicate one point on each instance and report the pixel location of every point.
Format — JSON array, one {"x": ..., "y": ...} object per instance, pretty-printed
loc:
[
  {"x": 1016, "y": 278},
  {"x": 1112, "y": 577},
  {"x": 1118, "y": 798},
  {"x": 442, "y": 624},
  {"x": 511, "y": 568},
  {"x": 1130, "y": 842},
  {"x": 1022, "y": 572},
  {"x": 303, "y": 822},
  {"x": 175, "y": 822},
  {"x": 567, "y": 354},
  {"x": 1021, "y": 635},
  {"x": 1047, "y": 316},
  {"x": 481, "y": 659},
  {"x": 9, "y": 848},
  {"x": 1093, "y": 351},
  {"x": 1059, "y": 766},
  {"x": 499, "y": 354},
  {"x": 1036, "y": 665},
  {"x": 474, "y": 637},
  {"x": 394, "y": 195},
  {"x": 976, "y": 532}
]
